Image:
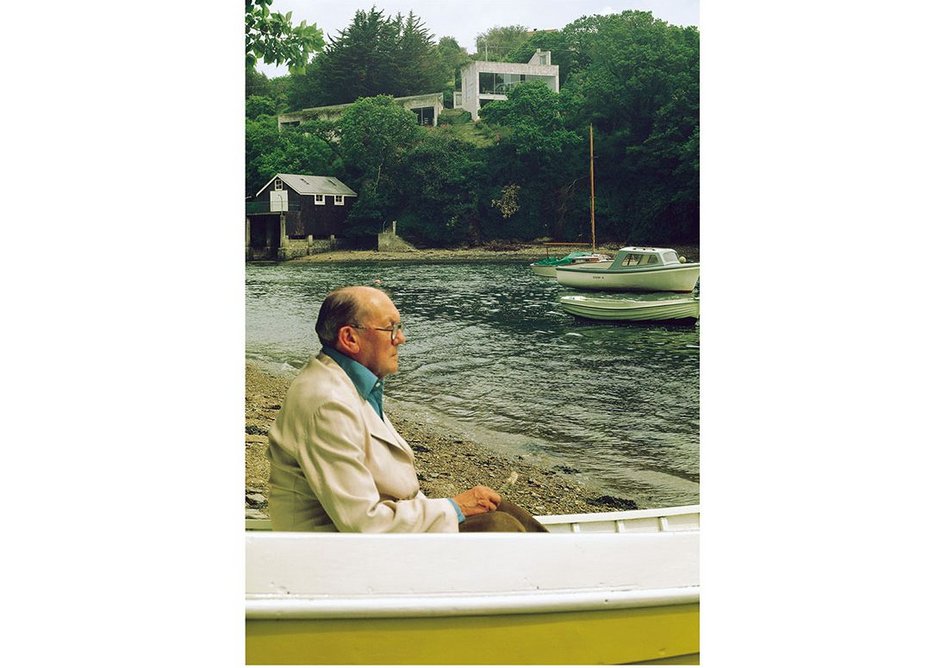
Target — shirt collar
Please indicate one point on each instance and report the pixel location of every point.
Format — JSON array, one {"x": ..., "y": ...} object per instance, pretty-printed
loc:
[{"x": 365, "y": 382}]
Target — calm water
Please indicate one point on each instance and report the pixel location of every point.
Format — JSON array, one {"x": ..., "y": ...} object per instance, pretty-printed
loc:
[{"x": 489, "y": 354}]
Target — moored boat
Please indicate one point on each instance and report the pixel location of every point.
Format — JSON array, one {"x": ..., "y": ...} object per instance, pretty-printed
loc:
[
  {"x": 631, "y": 310},
  {"x": 635, "y": 269},
  {"x": 547, "y": 266},
  {"x": 618, "y": 587}
]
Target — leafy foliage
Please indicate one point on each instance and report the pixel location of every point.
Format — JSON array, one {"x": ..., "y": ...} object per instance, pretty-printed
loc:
[
  {"x": 287, "y": 151},
  {"x": 539, "y": 154},
  {"x": 640, "y": 87},
  {"x": 258, "y": 105},
  {"x": 373, "y": 56},
  {"x": 440, "y": 190},
  {"x": 452, "y": 56},
  {"x": 271, "y": 37},
  {"x": 376, "y": 135},
  {"x": 494, "y": 44},
  {"x": 556, "y": 43},
  {"x": 507, "y": 203}
]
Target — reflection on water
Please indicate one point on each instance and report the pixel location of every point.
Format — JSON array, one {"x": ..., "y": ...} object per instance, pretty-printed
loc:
[{"x": 490, "y": 353}]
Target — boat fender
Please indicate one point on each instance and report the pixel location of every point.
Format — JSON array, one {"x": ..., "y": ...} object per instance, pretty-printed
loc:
[{"x": 682, "y": 259}]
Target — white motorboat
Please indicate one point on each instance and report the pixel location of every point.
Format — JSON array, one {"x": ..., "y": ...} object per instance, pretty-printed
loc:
[
  {"x": 547, "y": 266},
  {"x": 618, "y": 587},
  {"x": 631, "y": 310},
  {"x": 634, "y": 269}
]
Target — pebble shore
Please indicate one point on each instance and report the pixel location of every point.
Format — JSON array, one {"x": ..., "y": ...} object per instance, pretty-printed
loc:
[
  {"x": 503, "y": 251},
  {"x": 446, "y": 464}
]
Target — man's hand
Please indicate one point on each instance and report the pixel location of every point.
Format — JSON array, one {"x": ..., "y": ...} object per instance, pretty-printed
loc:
[{"x": 478, "y": 500}]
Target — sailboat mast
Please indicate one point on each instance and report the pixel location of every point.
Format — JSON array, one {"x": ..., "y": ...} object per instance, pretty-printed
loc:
[{"x": 591, "y": 151}]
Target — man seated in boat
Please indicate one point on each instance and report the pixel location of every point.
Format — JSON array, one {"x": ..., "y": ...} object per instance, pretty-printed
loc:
[{"x": 336, "y": 461}]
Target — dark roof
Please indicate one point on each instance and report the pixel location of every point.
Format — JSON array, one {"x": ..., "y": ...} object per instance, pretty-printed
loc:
[{"x": 305, "y": 184}]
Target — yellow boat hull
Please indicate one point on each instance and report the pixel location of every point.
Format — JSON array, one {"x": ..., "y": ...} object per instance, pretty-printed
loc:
[
  {"x": 619, "y": 587},
  {"x": 629, "y": 635}
]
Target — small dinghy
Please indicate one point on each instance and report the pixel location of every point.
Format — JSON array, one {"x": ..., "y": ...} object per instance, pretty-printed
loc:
[{"x": 683, "y": 309}]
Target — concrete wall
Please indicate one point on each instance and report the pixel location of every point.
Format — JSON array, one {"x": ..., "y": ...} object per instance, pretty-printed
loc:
[
  {"x": 298, "y": 247},
  {"x": 471, "y": 94},
  {"x": 389, "y": 241},
  {"x": 334, "y": 111}
]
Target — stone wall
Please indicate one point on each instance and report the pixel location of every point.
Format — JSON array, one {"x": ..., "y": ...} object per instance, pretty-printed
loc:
[{"x": 389, "y": 241}]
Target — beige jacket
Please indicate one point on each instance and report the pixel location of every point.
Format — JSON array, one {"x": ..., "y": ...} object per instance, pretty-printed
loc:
[{"x": 336, "y": 466}]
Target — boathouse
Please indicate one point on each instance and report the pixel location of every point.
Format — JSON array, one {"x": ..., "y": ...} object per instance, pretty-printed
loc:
[{"x": 294, "y": 214}]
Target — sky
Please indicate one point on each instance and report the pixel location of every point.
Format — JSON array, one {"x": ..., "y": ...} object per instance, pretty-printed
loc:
[{"x": 465, "y": 21}]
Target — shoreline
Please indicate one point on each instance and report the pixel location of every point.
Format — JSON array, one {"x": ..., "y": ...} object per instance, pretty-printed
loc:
[
  {"x": 517, "y": 252},
  {"x": 446, "y": 463}
]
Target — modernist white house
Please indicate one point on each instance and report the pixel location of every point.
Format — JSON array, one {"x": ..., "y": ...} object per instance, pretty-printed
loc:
[{"x": 483, "y": 81}]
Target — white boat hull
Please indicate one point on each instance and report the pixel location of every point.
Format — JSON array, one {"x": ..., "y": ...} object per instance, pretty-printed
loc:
[
  {"x": 630, "y": 310},
  {"x": 597, "y": 276},
  {"x": 543, "y": 270},
  {"x": 611, "y": 588}
]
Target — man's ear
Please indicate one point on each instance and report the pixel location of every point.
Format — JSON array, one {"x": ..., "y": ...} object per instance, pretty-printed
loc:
[{"x": 348, "y": 341}]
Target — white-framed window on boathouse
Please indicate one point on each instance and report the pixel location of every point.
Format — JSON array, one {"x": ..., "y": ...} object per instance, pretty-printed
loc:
[
  {"x": 278, "y": 184},
  {"x": 339, "y": 200},
  {"x": 320, "y": 199}
]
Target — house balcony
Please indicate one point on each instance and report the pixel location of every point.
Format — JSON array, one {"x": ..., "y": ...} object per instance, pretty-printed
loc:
[{"x": 259, "y": 207}]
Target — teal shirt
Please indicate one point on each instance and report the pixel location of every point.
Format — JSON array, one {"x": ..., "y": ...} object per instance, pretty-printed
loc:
[{"x": 370, "y": 387}]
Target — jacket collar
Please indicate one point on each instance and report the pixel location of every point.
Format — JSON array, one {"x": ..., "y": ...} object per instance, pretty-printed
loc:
[{"x": 379, "y": 427}]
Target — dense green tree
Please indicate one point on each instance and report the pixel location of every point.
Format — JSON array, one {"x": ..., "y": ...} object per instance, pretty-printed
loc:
[
  {"x": 375, "y": 55},
  {"x": 640, "y": 88},
  {"x": 271, "y": 37},
  {"x": 540, "y": 154},
  {"x": 496, "y": 43},
  {"x": 452, "y": 56},
  {"x": 560, "y": 54},
  {"x": 537, "y": 129},
  {"x": 258, "y": 85},
  {"x": 288, "y": 151},
  {"x": 375, "y": 135},
  {"x": 258, "y": 105},
  {"x": 441, "y": 181}
]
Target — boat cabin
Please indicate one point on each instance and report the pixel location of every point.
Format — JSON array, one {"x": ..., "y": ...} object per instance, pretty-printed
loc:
[{"x": 632, "y": 256}]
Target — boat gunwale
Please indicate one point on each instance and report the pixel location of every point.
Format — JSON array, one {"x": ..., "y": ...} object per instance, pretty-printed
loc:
[
  {"x": 636, "y": 269},
  {"x": 266, "y": 606},
  {"x": 615, "y": 305}
]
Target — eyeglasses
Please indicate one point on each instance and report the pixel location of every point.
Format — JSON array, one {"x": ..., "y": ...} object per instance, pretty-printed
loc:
[{"x": 394, "y": 330}]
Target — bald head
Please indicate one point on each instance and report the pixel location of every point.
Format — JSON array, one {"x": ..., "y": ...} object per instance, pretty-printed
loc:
[
  {"x": 352, "y": 304},
  {"x": 362, "y": 323}
]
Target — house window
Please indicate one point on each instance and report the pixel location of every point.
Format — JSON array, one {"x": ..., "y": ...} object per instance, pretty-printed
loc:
[
  {"x": 339, "y": 200},
  {"x": 278, "y": 184},
  {"x": 320, "y": 199},
  {"x": 493, "y": 83},
  {"x": 426, "y": 115}
]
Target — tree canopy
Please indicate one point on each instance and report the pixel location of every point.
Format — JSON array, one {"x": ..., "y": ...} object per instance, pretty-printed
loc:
[
  {"x": 271, "y": 37},
  {"x": 375, "y": 55},
  {"x": 496, "y": 43}
]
